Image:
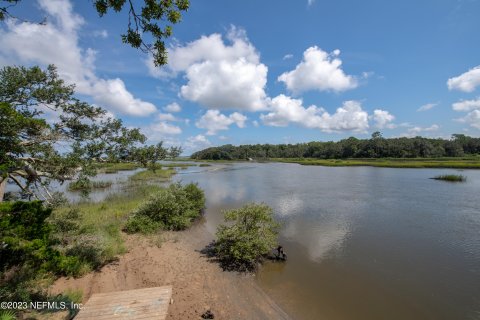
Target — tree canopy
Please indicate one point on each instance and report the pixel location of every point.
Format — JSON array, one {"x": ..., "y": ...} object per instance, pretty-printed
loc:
[
  {"x": 46, "y": 133},
  {"x": 154, "y": 18},
  {"x": 376, "y": 147}
]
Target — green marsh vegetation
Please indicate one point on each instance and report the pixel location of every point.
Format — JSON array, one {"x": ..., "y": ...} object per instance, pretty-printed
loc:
[
  {"x": 451, "y": 178},
  {"x": 41, "y": 243},
  {"x": 459, "y": 163},
  {"x": 88, "y": 185},
  {"x": 36, "y": 244},
  {"x": 177, "y": 165},
  {"x": 172, "y": 208},
  {"x": 157, "y": 174},
  {"x": 460, "y": 151},
  {"x": 249, "y": 235},
  {"x": 34, "y": 252},
  {"x": 114, "y": 167}
]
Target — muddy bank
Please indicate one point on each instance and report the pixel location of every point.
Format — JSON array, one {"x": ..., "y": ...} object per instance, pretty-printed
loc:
[{"x": 198, "y": 284}]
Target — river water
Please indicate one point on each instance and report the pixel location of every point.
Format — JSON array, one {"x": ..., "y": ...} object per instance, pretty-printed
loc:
[{"x": 362, "y": 242}]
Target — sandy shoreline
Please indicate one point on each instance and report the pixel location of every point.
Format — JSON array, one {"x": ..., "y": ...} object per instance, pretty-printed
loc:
[{"x": 198, "y": 284}]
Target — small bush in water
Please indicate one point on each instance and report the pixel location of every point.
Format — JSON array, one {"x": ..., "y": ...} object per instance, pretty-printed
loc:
[
  {"x": 250, "y": 235},
  {"x": 451, "y": 178}
]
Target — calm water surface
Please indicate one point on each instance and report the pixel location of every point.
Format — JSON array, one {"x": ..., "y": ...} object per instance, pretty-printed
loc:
[
  {"x": 363, "y": 243},
  {"x": 119, "y": 184}
]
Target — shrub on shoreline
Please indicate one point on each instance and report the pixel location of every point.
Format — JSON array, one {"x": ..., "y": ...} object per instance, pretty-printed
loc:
[
  {"x": 250, "y": 235},
  {"x": 171, "y": 208}
]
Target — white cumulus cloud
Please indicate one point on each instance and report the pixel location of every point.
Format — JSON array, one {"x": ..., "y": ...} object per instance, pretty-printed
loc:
[
  {"x": 101, "y": 34},
  {"x": 383, "y": 119},
  {"x": 166, "y": 117},
  {"x": 165, "y": 128},
  {"x": 57, "y": 43},
  {"x": 195, "y": 143},
  {"x": 417, "y": 130},
  {"x": 466, "y": 82},
  {"x": 473, "y": 108},
  {"x": 173, "y": 107},
  {"x": 285, "y": 110},
  {"x": 220, "y": 75},
  {"x": 472, "y": 118},
  {"x": 467, "y": 105},
  {"x": 427, "y": 107},
  {"x": 215, "y": 121},
  {"x": 318, "y": 70}
]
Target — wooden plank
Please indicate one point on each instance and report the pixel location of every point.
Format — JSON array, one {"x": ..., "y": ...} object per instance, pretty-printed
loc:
[{"x": 145, "y": 304}]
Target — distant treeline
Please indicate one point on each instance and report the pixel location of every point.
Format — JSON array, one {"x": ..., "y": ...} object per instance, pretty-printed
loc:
[{"x": 375, "y": 147}]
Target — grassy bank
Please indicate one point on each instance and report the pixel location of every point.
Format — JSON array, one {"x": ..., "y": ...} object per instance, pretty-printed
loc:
[
  {"x": 159, "y": 174},
  {"x": 99, "y": 224},
  {"x": 111, "y": 167},
  {"x": 177, "y": 165},
  {"x": 455, "y": 163},
  {"x": 82, "y": 185}
]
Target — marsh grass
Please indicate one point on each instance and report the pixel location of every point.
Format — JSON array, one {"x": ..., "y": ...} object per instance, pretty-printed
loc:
[
  {"x": 451, "y": 178},
  {"x": 82, "y": 185},
  {"x": 86, "y": 236},
  {"x": 178, "y": 165},
  {"x": 111, "y": 167},
  {"x": 204, "y": 165},
  {"x": 97, "y": 234},
  {"x": 456, "y": 163},
  {"x": 159, "y": 174}
]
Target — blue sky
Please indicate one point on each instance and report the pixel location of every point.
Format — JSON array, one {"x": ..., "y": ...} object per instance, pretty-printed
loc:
[{"x": 270, "y": 71}]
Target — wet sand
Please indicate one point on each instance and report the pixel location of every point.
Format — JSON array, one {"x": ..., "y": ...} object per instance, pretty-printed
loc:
[{"x": 198, "y": 284}]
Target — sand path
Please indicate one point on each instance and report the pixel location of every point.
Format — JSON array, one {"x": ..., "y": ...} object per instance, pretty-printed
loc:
[{"x": 198, "y": 284}]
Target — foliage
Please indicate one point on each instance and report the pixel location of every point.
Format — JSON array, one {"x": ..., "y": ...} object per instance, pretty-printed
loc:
[
  {"x": 7, "y": 315},
  {"x": 30, "y": 154},
  {"x": 153, "y": 175},
  {"x": 177, "y": 165},
  {"x": 61, "y": 244},
  {"x": 352, "y": 148},
  {"x": 472, "y": 162},
  {"x": 147, "y": 20},
  {"x": 172, "y": 208},
  {"x": 148, "y": 156},
  {"x": 451, "y": 178},
  {"x": 91, "y": 230},
  {"x": 23, "y": 284},
  {"x": 154, "y": 18},
  {"x": 27, "y": 285},
  {"x": 87, "y": 185},
  {"x": 84, "y": 249},
  {"x": 142, "y": 224},
  {"x": 250, "y": 235},
  {"x": 37, "y": 244},
  {"x": 114, "y": 167},
  {"x": 25, "y": 236}
]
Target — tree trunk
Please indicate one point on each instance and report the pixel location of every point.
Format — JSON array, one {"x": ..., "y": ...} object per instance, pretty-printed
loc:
[{"x": 3, "y": 184}]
